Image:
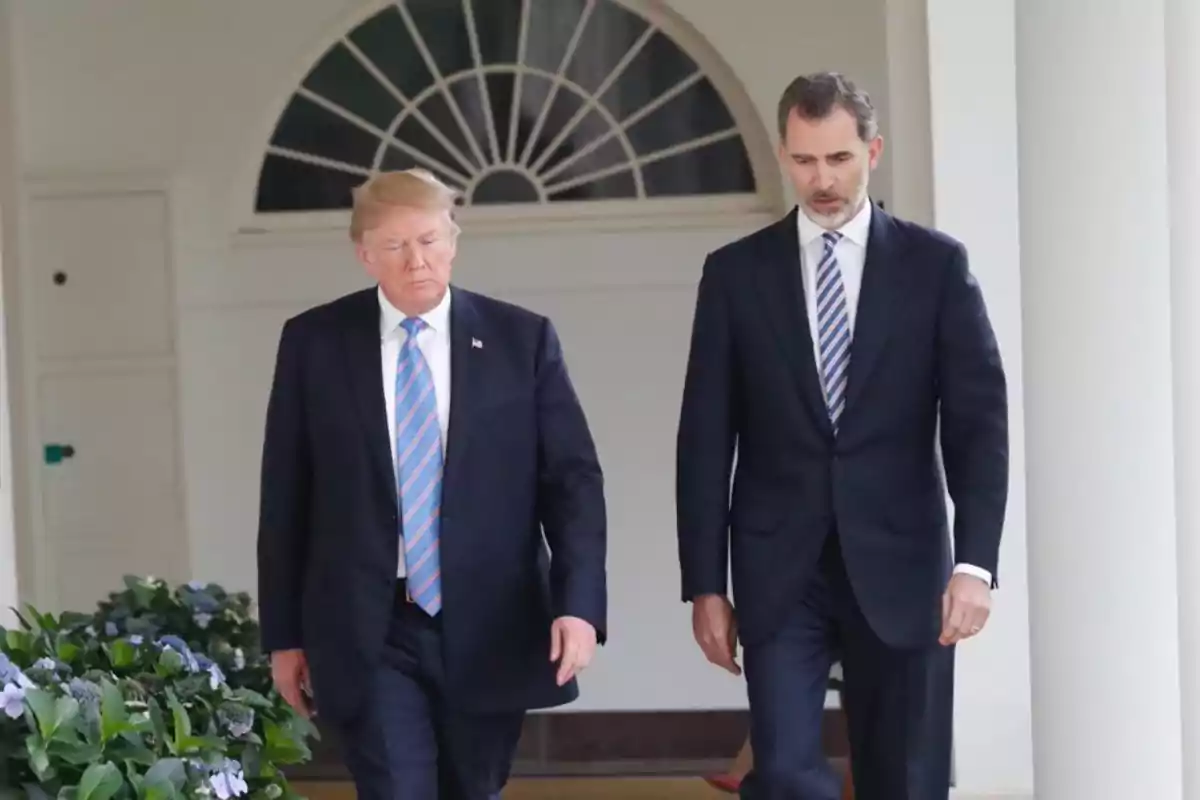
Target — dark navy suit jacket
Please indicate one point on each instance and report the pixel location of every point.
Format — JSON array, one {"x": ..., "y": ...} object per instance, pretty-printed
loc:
[
  {"x": 923, "y": 346},
  {"x": 520, "y": 461}
]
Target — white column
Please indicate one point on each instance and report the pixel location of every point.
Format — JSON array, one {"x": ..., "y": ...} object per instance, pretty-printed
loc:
[
  {"x": 973, "y": 130},
  {"x": 1096, "y": 283},
  {"x": 1183, "y": 134},
  {"x": 8, "y": 548}
]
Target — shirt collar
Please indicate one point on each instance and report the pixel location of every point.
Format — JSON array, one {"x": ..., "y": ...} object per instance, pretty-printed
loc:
[
  {"x": 856, "y": 229},
  {"x": 390, "y": 317}
]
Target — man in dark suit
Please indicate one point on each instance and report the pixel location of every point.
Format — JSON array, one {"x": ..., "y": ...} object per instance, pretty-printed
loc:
[
  {"x": 826, "y": 350},
  {"x": 423, "y": 444}
]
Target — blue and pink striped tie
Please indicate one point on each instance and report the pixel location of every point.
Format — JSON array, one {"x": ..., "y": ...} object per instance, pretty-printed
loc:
[{"x": 419, "y": 476}]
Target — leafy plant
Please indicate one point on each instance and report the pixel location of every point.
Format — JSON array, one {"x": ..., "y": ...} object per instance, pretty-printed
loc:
[{"x": 128, "y": 703}]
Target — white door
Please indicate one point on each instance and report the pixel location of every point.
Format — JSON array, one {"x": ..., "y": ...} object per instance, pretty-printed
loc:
[
  {"x": 110, "y": 485},
  {"x": 106, "y": 400}
]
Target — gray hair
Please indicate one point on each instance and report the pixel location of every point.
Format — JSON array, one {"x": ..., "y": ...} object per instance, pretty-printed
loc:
[{"x": 815, "y": 97}]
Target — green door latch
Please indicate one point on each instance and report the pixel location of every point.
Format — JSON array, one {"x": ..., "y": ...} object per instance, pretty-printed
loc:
[{"x": 57, "y": 452}]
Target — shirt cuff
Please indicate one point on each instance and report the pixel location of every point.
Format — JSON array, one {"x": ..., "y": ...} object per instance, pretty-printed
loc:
[{"x": 978, "y": 572}]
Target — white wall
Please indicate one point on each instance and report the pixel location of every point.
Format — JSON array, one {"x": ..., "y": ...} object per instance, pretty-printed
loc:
[
  {"x": 974, "y": 147},
  {"x": 8, "y": 194},
  {"x": 188, "y": 93}
]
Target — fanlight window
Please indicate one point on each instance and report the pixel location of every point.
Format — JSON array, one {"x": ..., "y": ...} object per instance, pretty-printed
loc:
[{"x": 511, "y": 102}]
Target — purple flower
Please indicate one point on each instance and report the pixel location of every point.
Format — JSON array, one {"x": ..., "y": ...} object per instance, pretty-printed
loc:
[
  {"x": 12, "y": 700},
  {"x": 228, "y": 781}
]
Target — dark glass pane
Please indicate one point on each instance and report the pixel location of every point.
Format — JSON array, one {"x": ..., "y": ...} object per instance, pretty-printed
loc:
[
  {"x": 497, "y": 24},
  {"x": 417, "y": 136},
  {"x": 592, "y": 127},
  {"x": 500, "y": 95},
  {"x": 506, "y": 186},
  {"x": 385, "y": 39},
  {"x": 551, "y": 25},
  {"x": 285, "y": 184},
  {"x": 719, "y": 168},
  {"x": 395, "y": 158},
  {"x": 437, "y": 111},
  {"x": 563, "y": 108},
  {"x": 310, "y": 128},
  {"x": 533, "y": 94},
  {"x": 658, "y": 67},
  {"x": 696, "y": 112},
  {"x": 611, "y": 31},
  {"x": 469, "y": 98},
  {"x": 340, "y": 77},
  {"x": 612, "y": 187},
  {"x": 444, "y": 29}
]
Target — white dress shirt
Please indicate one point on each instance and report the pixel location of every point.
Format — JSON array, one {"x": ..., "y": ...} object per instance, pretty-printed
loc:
[
  {"x": 851, "y": 252},
  {"x": 434, "y": 342}
]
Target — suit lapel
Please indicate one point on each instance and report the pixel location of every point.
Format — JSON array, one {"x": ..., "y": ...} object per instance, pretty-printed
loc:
[
  {"x": 880, "y": 294},
  {"x": 466, "y": 348},
  {"x": 784, "y": 300},
  {"x": 361, "y": 342}
]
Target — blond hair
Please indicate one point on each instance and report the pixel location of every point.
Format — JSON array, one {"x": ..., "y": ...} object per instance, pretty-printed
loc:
[{"x": 410, "y": 188}]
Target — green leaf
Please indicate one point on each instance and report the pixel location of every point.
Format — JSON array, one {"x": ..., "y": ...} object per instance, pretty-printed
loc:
[
  {"x": 68, "y": 651},
  {"x": 165, "y": 779},
  {"x": 24, "y": 619},
  {"x": 183, "y": 723},
  {"x": 18, "y": 642},
  {"x": 283, "y": 746},
  {"x": 39, "y": 759},
  {"x": 114, "y": 719},
  {"x": 77, "y": 753},
  {"x": 68, "y": 793},
  {"x": 121, "y": 653},
  {"x": 170, "y": 663},
  {"x": 100, "y": 782},
  {"x": 48, "y": 711},
  {"x": 252, "y": 698}
]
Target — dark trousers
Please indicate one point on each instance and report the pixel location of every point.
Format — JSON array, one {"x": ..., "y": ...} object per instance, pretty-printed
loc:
[
  {"x": 408, "y": 744},
  {"x": 898, "y": 703}
]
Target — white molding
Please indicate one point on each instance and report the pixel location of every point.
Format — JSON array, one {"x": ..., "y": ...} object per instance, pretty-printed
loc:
[
  {"x": 758, "y": 141},
  {"x": 82, "y": 184},
  {"x": 285, "y": 229}
]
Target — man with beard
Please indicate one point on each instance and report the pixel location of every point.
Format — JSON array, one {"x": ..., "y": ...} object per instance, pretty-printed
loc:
[{"x": 827, "y": 350}]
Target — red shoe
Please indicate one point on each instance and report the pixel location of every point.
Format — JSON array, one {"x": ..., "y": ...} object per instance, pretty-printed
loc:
[{"x": 724, "y": 783}]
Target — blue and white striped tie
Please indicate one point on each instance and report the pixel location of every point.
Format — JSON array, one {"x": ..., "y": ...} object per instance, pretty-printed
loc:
[
  {"x": 833, "y": 325},
  {"x": 419, "y": 477}
]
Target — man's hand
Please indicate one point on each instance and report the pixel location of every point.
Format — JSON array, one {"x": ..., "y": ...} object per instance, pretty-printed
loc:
[
  {"x": 965, "y": 608},
  {"x": 715, "y": 628},
  {"x": 572, "y": 644},
  {"x": 289, "y": 671}
]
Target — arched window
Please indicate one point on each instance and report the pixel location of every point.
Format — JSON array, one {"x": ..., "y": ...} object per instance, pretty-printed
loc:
[{"x": 513, "y": 102}]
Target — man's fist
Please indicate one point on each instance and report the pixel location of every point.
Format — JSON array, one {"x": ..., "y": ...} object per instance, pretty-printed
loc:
[
  {"x": 289, "y": 671},
  {"x": 715, "y": 628}
]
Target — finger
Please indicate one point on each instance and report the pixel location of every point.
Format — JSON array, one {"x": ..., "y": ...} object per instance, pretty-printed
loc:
[
  {"x": 954, "y": 622},
  {"x": 566, "y": 669},
  {"x": 556, "y": 642},
  {"x": 722, "y": 656},
  {"x": 974, "y": 622}
]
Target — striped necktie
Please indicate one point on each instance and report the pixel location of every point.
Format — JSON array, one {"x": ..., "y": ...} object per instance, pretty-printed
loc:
[
  {"x": 419, "y": 473},
  {"x": 833, "y": 324}
]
